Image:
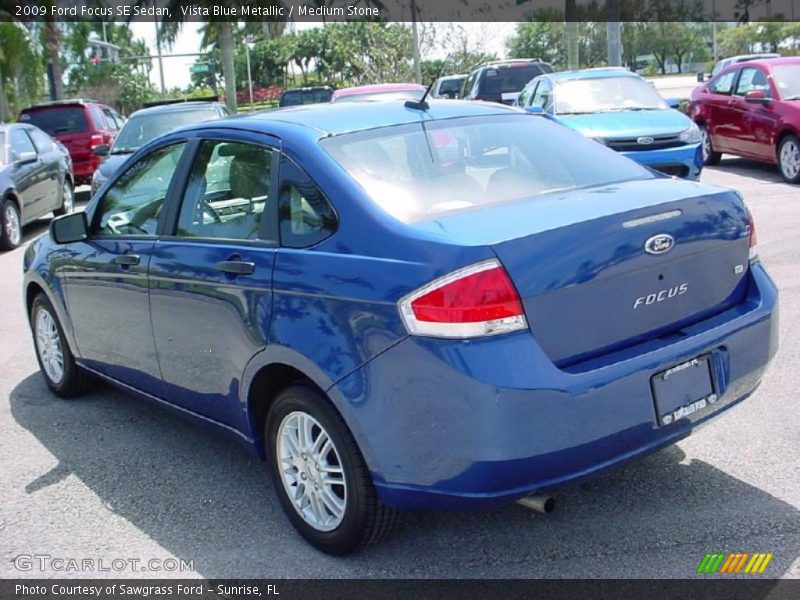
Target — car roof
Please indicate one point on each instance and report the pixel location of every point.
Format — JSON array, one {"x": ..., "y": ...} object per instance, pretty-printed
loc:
[
  {"x": 178, "y": 107},
  {"x": 334, "y": 119},
  {"x": 378, "y": 87}
]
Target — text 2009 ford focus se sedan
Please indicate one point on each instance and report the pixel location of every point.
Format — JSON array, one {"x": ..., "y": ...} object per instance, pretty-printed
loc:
[{"x": 450, "y": 306}]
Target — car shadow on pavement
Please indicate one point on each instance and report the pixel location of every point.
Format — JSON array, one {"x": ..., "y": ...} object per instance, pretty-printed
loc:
[
  {"x": 760, "y": 171},
  {"x": 205, "y": 499}
]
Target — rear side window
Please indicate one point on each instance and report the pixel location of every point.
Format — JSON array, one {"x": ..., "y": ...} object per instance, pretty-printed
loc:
[
  {"x": 420, "y": 171},
  {"x": 58, "y": 120},
  {"x": 98, "y": 118},
  {"x": 228, "y": 191},
  {"x": 306, "y": 216},
  {"x": 723, "y": 84}
]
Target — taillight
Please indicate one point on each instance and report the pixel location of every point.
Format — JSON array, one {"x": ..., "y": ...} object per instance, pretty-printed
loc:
[
  {"x": 753, "y": 237},
  {"x": 475, "y": 301},
  {"x": 95, "y": 141}
]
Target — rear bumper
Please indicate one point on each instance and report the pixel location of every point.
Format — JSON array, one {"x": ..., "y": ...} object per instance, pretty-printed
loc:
[
  {"x": 458, "y": 424},
  {"x": 84, "y": 168},
  {"x": 683, "y": 161}
]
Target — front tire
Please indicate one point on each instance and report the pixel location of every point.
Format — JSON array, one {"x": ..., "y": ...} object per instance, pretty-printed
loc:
[
  {"x": 320, "y": 477},
  {"x": 10, "y": 225},
  {"x": 710, "y": 156},
  {"x": 789, "y": 158},
  {"x": 67, "y": 200},
  {"x": 56, "y": 361}
]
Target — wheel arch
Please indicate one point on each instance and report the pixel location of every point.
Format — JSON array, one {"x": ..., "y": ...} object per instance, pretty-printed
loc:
[{"x": 782, "y": 133}]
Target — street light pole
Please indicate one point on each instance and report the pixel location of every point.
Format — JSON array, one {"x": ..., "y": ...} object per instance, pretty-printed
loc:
[
  {"x": 249, "y": 73},
  {"x": 160, "y": 61},
  {"x": 415, "y": 35}
]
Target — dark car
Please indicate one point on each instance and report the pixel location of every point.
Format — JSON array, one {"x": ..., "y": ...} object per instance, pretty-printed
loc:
[
  {"x": 752, "y": 109},
  {"x": 407, "y": 308},
  {"x": 306, "y": 95},
  {"x": 503, "y": 80},
  {"x": 147, "y": 124},
  {"x": 35, "y": 179},
  {"x": 81, "y": 125},
  {"x": 448, "y": 86}
]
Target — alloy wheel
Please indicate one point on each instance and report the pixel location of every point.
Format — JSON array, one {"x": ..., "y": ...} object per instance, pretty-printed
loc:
[
  {"x": 706, "y": 139},
  {"x": 12, "y": 224},
  {"x": 311, "y": 471},
  {"x": 790, "y": 159},
  {"x": 48, "y": 345}
]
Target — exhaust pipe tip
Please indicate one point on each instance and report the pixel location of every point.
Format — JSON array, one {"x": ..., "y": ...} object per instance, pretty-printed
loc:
[{"x": 543, "y": 503}]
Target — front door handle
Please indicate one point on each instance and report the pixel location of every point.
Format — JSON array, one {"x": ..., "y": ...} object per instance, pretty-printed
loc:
[
  {"x": 236, "y": 267},
  {"x": 127, "y": 259}
]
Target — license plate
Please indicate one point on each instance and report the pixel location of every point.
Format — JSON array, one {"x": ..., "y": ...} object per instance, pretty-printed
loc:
[{"x": 683, "y": 390}]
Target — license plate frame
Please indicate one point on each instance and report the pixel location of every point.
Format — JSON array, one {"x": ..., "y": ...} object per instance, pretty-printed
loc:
[{"x": 683, "y": 390}]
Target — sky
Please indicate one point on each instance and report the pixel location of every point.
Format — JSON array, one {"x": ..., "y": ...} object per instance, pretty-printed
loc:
[{"x": 490, "y": 37}]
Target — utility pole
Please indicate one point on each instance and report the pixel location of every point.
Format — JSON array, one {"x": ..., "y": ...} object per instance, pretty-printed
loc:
[
  {"x": 415, "y": 35},
  {"x": 571, "y": 27},
  {"x": 614, "y": 34},
  {"x": 249, "y": 72},
  {"x": 160, "y": 60}
]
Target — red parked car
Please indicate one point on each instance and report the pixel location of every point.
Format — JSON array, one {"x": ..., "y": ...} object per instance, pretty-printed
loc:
[
  {"x": 81, "y": 125},
  {"x": 752, "y": 109}
]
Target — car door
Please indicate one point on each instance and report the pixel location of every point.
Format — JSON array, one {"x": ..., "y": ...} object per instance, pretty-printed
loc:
[
  {"x": 722, "y": 125},
  {"x": 50, "y": 156},
  {"x": 29, "y": 173},
  {"x": 756, "y": 123},
  {"x": 211, "y": 275},
  {"x": 106, "y": 275}
]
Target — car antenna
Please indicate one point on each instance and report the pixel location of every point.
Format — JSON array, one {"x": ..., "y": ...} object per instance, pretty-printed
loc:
[{"x": 421, "y": 104}]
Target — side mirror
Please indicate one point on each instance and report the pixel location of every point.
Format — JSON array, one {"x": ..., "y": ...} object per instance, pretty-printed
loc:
[
  {"x": 102, "y": 150},
  {"x": 534, "y": 110},
  {"x": 756, "y": 97},
  {"x": 69, "y": 228},
  {"x": 673, "y": 102},
  {"x": 25, "y": 158}
]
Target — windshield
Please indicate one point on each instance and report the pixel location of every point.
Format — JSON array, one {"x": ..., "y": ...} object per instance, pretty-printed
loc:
[
  {"x": 139, "y": 130},
  {"x": 382, "y": 96},
  {"x": 787, "y": 80},
  {"x": 606, "y": 94},
  {"x": 420, "y": 171},
  {"x": 57, "y": 120}
]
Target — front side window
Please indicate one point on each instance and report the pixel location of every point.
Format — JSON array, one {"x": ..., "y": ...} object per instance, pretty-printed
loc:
[
  {"x": 227, "y": 193},
  {"x": 723, "y": 84},
  {"x": 542, "y": 96},
  {"x": 306, "y": 216},
  {"x": 421, "y": 171},
  {"x": 20, "y": 143},
  {"x": 752, "y": 80},
  {"x": 132, "y": 205}
]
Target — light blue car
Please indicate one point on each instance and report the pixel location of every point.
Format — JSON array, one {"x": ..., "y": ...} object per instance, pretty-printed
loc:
[{"x": 620, "y": 109}]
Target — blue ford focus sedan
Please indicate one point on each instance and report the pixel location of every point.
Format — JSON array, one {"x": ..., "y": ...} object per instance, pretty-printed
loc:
[
  {"x": 446, "y": 306},
  {"x": 621, "y": 110}
]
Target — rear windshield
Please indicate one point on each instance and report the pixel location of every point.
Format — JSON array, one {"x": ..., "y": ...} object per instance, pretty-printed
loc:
[
  {"x": 509, "y": 79},
  {"x": 58, "y": 120},
  {"x": 297, "y": 97},
  {"x": 139, "y": 130},
  {"x": 421, "y": 171}
]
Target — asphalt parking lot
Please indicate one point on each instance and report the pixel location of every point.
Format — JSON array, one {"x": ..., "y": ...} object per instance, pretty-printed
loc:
[{"x": 110, "y": 477}]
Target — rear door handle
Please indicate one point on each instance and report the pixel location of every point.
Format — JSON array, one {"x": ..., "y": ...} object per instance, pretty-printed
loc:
[
  {"x": 126, "y": 259},
  {"x": 236, "y": 267}
]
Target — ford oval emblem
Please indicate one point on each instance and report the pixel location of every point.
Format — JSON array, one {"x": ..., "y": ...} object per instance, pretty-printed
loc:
[
  {"x": 659, "y": 244},
  {"x": 645, "y": 140}
]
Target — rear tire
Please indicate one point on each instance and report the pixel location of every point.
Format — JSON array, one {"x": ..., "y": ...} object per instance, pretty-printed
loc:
[
  {"x": 308, "y": 444},
  {"x": 10, "y": 225},
  {"x": 710, "y": 156},
  {"x": 67, "y": 200},
  {"x": 789, "y": 158},
  {"x": 56, "y": 361}
]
